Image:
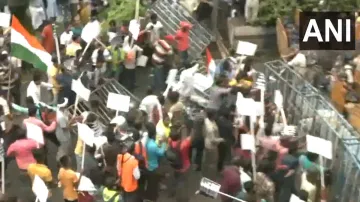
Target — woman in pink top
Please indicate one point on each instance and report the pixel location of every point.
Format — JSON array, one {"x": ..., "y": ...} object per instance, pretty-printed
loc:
[
  {"x": 32, "y": 119},
  {"x": 21, "y": 149}
]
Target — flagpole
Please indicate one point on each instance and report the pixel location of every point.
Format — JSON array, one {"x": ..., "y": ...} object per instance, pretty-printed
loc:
[{"x": 56, "y": 44}]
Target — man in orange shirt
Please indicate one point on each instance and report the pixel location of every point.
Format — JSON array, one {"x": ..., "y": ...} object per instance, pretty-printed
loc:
[
  {"x": 129, "y": 173},
  {"x": 47, "y": 35}
]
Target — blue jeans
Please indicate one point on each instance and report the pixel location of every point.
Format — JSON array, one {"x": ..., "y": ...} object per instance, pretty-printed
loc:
[{"x": 158, "y": 82}]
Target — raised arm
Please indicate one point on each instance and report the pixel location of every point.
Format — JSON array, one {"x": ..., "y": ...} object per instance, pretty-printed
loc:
[{"x": 19, "y": 108}]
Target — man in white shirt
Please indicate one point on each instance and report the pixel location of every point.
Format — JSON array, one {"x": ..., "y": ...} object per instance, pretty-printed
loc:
[
  {"x": 154, "y": 28},
  {"x": 251, "y": 10},
  {"x": 149, "y": 104},
  {"x": 132, "y": 51},
  {"x": 66, "y": 38},
  {"x": 34, "y": 87}
]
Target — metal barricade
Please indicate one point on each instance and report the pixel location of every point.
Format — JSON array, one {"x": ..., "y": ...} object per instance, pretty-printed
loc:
[
  {"x": 314, "y": 114},
  {"x": 100, "y": 95},
  {"x": 171, "y": 14}
]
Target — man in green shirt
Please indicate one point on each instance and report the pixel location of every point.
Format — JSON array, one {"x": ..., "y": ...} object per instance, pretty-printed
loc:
[{"x": 116, "y": 62}]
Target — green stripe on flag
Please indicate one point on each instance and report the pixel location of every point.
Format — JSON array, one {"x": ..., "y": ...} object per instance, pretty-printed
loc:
[{"x": 23, "y": 53}]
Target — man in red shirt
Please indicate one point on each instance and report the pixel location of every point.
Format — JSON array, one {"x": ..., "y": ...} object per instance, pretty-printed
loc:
[
  {"x": 182, "y": 38},
  {"x": 47, "y": 35},
  {"x": 178, "y": 135}
]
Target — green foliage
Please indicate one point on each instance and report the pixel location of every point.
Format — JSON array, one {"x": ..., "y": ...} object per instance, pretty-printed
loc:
[
  {"x": 270, "y": 10},
  {"x": 122, "y": 10}
]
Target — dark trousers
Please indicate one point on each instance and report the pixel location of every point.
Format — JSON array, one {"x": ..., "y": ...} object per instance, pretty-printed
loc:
[
  {"x": 158, "y": 83},
  {"x": 15, "y": 92},
  {"x": 198, "y": 147},
  {"x": 180, "y": 186},
  {"x": 224, "y": 151},
  {"x": 129, "y": 76},
  {"x": 152, "y": 185},
  {"x": 131, "y": 196},
  {"x": 184, "y": 57}
]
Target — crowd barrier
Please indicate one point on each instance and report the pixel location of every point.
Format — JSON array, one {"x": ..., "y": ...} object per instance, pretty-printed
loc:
[
  {"x": 314, "y": 114},
  {"x": 170, "y": 15},
  {"x": 100, "y": 95}
]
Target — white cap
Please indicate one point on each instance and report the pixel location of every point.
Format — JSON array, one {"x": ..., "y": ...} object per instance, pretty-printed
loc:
[{"x": 4, "y": 52}]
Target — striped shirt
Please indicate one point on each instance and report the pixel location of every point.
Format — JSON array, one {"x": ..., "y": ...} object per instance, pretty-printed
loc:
[
  {"x": 161, "y": 50},
  {"x": 8, "y": 76}
]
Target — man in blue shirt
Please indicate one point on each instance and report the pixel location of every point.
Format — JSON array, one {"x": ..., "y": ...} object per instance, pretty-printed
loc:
[{"x": 154, "y": 154}]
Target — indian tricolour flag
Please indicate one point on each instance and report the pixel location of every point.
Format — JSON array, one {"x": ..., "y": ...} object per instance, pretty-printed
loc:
[
  {"x": 210, "y": 66},
  {"x": 27, "y": 47}
]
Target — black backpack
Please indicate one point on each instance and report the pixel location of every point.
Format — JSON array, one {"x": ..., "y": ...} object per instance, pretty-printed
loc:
[
  {"x": 141, "y": 159},
  {"x": 173, "y": 155}
]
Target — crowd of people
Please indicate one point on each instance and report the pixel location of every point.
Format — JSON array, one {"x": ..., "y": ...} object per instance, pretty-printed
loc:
[{"x": 156, "y": 139}]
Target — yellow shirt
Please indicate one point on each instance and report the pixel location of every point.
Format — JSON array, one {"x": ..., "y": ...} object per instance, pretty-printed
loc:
[
  {"x": 84, "y": 14},
  {"x": 79, "y": 147},
  {"x": 53, "y": 72},
  {"x": 40, "y": 170},
  {"x": 72, "y": 48},
  {"x": 68, "y": 180},
  {"x": 161, "y": 131}
]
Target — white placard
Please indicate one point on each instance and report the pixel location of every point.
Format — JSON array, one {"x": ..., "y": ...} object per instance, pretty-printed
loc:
[
  {"x": 294, "y": 198},
  {"x": 111, "y": 35},
  {"x": 118, "y": 102},
  {"x": 40, "y": 189},
  {"x": 80, "y": 89},
  {"x": 5, "y": 20},
  {"x": 3, "y": 126},
  {"x": 259, "y": 109},
  {"x": 171, "y": 78},
  {"x": 319, "y": 146},
  {"x": 86, "y": 134},
  {"x": 34, "y": 132},
  {"x": 278, "y": 99},
  {"x": 239, "y": 97},
  {"x": 209, "y": 187},
  {"x": 91, "y": 31},
  {"x": 246, "y": 48},
  {"x": 99, "y": 141},
  {"x": 141, "y": 61},
  {"x": 118, "y": 120},
  {"x": 248, "y": 142},
  {"x": 134, "y": 28},
  {"x": 289, "y": 131},
  {"x": 85, "y": 184},
  {"x": 246, "y": 107},
  {"x": 202, "y": 82}
]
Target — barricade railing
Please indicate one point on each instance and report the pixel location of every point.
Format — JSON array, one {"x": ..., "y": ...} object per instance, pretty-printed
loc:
[
  {"x": 100, "y": 95},
  {"x": 314, "y": 114}
]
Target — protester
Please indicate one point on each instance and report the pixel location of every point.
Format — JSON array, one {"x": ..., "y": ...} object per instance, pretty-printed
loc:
[
  {"x": 34, "y": 120},
  {"x": 10, "y": 76},
  {"x": 73, "y": 46},
  {"x": 182, "y": 38},
  {"x": 180, "y": 145},
  {"x": 66, "y": 37},
  {"x": 128, "y": 171},
  {"x": 34, "y": 88},
  {"x": 212, "y": 140},
  {"x": 154, "y": 153},
  {"x": 39, "y": 168},
  {"x": 47, "y": 35},
  {"x": 68, "y": 180},
  {"x": 231, "y": 181},
  {"x": 22, "y": 150}
]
